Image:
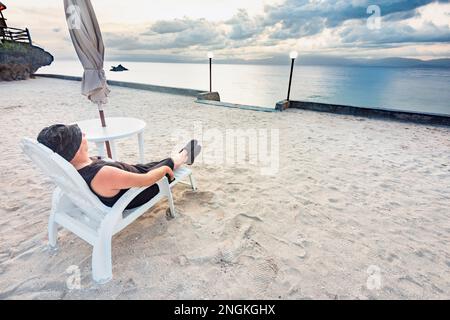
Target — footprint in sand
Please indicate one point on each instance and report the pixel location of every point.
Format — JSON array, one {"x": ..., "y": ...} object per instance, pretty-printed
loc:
[
  {"x": 171, "y": 288},
  {"x": 202, "y": 196},
  {"x": 260, "y": 275}
]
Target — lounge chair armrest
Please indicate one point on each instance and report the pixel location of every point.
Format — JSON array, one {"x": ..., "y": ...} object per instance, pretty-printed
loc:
[
  {"x": 124, "y": 201},
  {"x": 127, "y": 197}
]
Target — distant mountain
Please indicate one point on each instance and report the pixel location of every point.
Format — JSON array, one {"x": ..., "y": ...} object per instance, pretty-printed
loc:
[
  {"x": 339, "y": 61},
  {"x": 405, "y": 63},
  {"x": 438, "y": 63},
  {"x": 307, "y": 60}
]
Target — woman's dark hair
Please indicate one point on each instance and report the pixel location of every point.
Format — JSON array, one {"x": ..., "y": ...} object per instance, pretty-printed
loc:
[{"x": 65, "y": 140}]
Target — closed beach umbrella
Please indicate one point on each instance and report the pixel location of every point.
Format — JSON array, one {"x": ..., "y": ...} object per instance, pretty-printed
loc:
[{"x": 87, "y": 40}]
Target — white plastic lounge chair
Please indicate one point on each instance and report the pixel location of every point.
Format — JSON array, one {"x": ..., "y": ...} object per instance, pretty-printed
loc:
[{"x": 76, "y": 208}]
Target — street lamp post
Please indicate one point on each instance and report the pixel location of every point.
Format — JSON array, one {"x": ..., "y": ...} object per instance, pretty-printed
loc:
[
  {"x": 293, "y": 56},
  {"x": 210, "y": 56}
]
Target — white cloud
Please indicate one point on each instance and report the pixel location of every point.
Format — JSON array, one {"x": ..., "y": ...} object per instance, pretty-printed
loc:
[{"x": 250, "y": 29}]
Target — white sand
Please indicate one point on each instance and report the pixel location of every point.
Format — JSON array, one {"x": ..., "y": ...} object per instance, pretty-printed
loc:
[{"x": 351, "y": 193}]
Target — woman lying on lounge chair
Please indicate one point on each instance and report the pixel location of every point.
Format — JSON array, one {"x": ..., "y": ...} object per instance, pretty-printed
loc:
[{"x": 110, "y": 180}]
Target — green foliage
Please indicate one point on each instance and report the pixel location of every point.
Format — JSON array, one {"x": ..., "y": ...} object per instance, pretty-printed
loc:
[{"x": 13, "y": 47}]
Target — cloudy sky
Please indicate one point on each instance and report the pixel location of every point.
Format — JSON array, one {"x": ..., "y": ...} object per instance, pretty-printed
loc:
[{"x": 184, "y": 30}]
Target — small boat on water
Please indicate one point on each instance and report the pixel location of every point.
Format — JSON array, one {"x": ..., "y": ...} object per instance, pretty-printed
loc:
[{"x": 118, "y": 68}]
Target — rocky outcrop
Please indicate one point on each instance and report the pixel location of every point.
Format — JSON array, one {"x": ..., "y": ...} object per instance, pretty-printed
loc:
[
  {"x": 19, "y": 61},
  {"x": 212, "y": 96},
  {"x": 119, "y": 68},
  {"x": 282, "y": 105},
  {"x": 14, "y": 71}
]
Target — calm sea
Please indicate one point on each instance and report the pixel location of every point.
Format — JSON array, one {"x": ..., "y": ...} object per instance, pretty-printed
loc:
[{"x": 422, "y": 90}]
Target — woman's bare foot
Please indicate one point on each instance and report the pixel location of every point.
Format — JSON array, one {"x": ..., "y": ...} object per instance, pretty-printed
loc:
[
  {"x": 180, "y": 159},
  {"x": 187, "y": 154}
]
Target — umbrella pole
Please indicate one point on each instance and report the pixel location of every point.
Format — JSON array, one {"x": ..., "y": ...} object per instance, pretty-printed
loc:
[{"x": 102, "y": 118}]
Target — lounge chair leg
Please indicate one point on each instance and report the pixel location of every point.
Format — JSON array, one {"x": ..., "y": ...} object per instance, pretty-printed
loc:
[
  {"x": 52, "y": 232},
  {"x": 101, "y": 261},
  {"x": 165, "y": 189},
  {"x": 52, "y": 226},
  {"x": 171, "y": 204},
  {"x": 193, "y": 184}
]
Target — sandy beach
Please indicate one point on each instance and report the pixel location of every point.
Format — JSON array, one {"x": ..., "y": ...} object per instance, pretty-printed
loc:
[{"x": 358, "y": 209}]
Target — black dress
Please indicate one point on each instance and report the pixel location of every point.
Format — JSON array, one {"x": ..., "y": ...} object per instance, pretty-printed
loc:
[{"x": 88, "y": 173}]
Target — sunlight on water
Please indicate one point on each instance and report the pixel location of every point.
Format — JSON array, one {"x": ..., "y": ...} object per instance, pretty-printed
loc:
[{"x": 423, "y": 90}]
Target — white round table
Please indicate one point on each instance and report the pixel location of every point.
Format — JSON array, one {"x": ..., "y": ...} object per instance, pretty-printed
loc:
[{"x": 116, "y": 128}]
